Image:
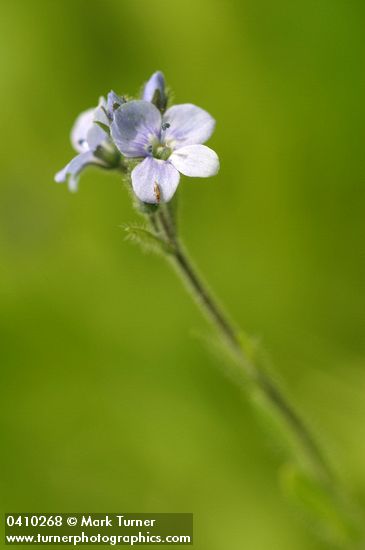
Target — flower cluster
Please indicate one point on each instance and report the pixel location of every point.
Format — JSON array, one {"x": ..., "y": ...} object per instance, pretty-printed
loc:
[{"x": 142, "y": 135}]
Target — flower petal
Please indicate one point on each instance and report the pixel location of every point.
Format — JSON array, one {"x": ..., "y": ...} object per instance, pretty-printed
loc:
[
  {"x": 155, "y": 180},
  {"x": 96, "y": 136},
  {"x": 189, "y": 125},
  {"x": 135, "y": 124},
  {"x": 72, "y": 170},
  {"x": 196, "y": 161},
  {"x": 100, "y": 112},
  {"x": 156, "y": 82},
  {"x": 80, "y": 129}
]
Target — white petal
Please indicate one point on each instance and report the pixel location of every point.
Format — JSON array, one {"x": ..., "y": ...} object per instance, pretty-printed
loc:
[
  {"x": 196, "y": 161},
  {"x": 61, "y": 176},
  {"x": 188, "y": 125},
  {"x": 100, "y": 112},
  {"x": 80, "y": 129},
  {"x": 73, "y": 169},
  {"x": 155, "y": 180},
  {"x": 84, "y": 124},
  {"x": 95, "y": 136}
]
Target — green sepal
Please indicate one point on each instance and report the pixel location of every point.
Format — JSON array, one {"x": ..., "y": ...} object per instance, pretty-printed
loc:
[
  {"x": 146, "y": 208},
  {"x": 148, "y": 240},
  {"x": 110, "y": 155},
  {"x": 103, "y": 126},
  {"x": 159, "y": 100}
]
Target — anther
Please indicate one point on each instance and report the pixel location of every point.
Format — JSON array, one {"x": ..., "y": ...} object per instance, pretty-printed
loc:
[{"x": 156, "y": 190}]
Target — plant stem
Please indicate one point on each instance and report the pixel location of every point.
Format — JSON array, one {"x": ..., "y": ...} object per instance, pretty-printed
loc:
[{"x": 232, "y": 338}]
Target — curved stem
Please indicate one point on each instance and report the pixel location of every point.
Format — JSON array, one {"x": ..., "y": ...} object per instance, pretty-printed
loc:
[{"x": 231, "y": 336}]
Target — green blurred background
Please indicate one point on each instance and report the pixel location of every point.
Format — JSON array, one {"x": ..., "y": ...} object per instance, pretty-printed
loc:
[{"x": 110, "y": 402}]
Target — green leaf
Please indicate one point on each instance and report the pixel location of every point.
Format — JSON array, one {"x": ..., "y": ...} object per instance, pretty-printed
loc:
[
  {"x": 148, "y": 240},
  {"x": 327, "y": 512}
]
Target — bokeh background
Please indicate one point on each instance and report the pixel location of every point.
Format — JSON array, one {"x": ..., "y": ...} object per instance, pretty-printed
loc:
[{"x": 109, "y": 400}]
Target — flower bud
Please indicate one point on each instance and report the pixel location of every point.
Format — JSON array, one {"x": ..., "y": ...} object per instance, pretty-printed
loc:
[{"x": 155, "y": 91}]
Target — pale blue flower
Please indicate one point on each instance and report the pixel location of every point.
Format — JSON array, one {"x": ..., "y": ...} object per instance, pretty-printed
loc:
[
  {"x": 87, "y": 139},
  {"x": 169, "y": 144}
]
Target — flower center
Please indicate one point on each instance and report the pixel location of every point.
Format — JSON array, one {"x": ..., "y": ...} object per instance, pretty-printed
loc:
[
  {"x": 159, "y": 150},
  {"x": 162, "y": 152}
]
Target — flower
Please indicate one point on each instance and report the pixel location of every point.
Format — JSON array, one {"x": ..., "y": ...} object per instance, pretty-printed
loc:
[
  {"x": 170, "y": 144},
  {"x": 93, "y": 144}
]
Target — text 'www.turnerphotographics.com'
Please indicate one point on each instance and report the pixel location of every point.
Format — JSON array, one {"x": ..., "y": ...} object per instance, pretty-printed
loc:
[{"x": 108, "y": 528}]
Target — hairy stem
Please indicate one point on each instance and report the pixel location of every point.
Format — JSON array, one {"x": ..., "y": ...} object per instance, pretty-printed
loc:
[{"x": 231, "y": 337}]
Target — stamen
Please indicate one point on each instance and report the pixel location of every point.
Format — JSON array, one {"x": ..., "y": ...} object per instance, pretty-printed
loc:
[
  {"x": 165, "y": 125},
  {"x": 156, "y": 190}
]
